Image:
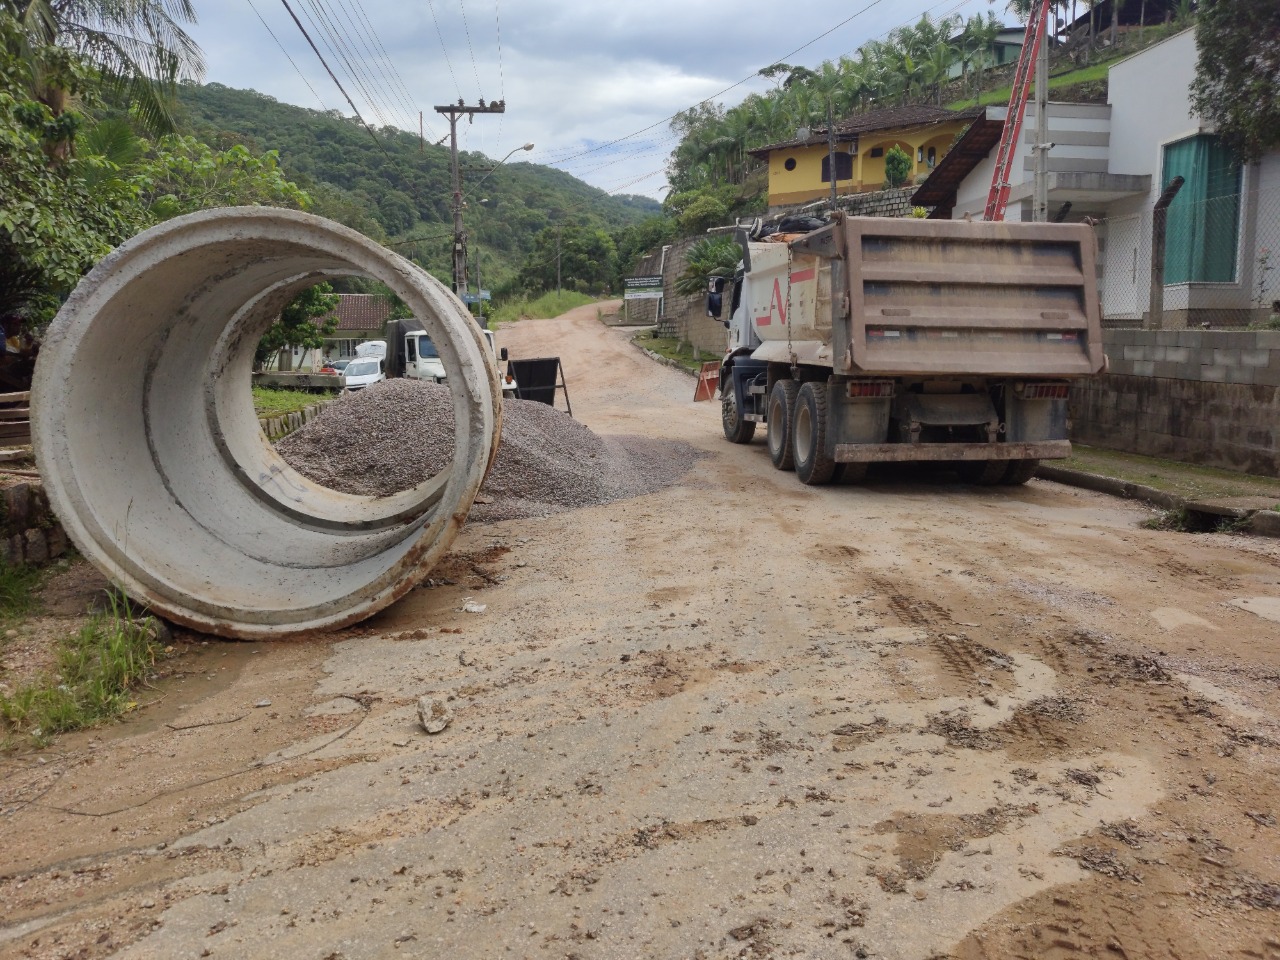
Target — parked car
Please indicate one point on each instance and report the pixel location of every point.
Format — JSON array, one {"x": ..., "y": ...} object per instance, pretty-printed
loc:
[
  {"x": 361, "y": 372},
  {"x": 340, "y": 366}
]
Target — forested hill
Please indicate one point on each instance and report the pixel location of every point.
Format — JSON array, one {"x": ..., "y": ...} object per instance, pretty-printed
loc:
[{"x": 395, "y": 189}]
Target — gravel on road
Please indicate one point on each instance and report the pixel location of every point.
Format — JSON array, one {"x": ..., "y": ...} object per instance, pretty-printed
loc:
[{"x": 393, "y": 435}]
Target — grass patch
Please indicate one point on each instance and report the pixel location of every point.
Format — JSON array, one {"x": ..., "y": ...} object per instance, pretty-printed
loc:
[
  {"x": 17, "y": 590},
  {"x": 98, "y": 670},
  {"x": 544, "y": 307},
  {"x": 1187, "y": 480},
  {"x": 672, "y": 349},
  {"x": 274, "y": 401}
]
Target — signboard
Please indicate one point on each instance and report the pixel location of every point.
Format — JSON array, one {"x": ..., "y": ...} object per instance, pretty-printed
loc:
[
  {"x": 642, "y": 288},
  {"x": 639, "y": 282},
  {"x": 470, "y": 297}
]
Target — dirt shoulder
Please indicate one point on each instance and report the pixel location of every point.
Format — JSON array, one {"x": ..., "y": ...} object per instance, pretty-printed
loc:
[{"x": 735, "y": 717}]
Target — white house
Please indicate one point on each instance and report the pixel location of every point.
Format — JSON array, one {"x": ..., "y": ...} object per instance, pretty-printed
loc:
[{"x": 1111, "y": 162}]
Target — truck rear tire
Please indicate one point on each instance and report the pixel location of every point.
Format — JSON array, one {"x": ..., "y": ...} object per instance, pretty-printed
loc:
[
  {"x": 736, "y": 429},
  {"x": 814, "y": 465},
  {"x": 851, "y": 472},
  {"x": 1019, "y": 472},
  {"x": 982, "y": 473},
  {"x": 782, "y": 412}
]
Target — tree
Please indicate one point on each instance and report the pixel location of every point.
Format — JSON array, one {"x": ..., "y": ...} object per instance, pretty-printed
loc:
[
  {"x": 1238, "y": 73},
  {"x": 897, "y": 166},
  {"x": 138, "y": 47},
  {"x": 54, "y": 222},
  {"x": 709, "y": 257},
  {"x": 183, "y": 175},
  {"x": 298, "y": 326}
]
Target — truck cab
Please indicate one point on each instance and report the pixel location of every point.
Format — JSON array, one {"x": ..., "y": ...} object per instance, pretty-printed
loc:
[{"x": 422, "y": 361}]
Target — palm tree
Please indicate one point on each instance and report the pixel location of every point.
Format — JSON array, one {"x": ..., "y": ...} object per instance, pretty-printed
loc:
[{"x": 138, "y": 46}]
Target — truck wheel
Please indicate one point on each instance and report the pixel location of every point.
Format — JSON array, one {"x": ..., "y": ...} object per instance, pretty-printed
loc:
[
  {"x": 1020, "y": 471},
  {"x": 850, "y": 472},
  {"x": 983, "y": 473},
  {"x": 736, "y": 430},
  {"x": 813, "y": 464},
  {"x": 782, "y": 411}
]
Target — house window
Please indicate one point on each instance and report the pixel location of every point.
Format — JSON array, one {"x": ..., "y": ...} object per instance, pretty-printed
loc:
[
  {"x": 1203, "y": 226},
  {"x": 790, "y": 163},
  {"x": 844, "y": 167},
  {"x": 877, "y": 151},
  {"x": 933, "y": 157}
]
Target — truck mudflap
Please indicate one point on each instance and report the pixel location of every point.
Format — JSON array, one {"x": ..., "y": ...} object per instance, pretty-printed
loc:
[{"x": 909, "y": 452}]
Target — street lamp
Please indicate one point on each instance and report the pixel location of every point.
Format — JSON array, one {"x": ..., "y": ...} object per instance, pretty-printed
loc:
[{"x": 476, "y": 185}]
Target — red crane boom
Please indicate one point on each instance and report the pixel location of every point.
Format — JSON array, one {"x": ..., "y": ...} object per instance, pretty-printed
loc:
[{"x": 998, "y": 196}]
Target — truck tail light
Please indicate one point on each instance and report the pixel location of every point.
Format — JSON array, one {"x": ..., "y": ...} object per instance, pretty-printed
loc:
[
  {"x": 873, "y": 389},
  {"x": 1045, "y": 391}
]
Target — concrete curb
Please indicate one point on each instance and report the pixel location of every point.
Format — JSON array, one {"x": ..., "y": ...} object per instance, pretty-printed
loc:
[
  {"x": 1110, "y": 485},
  {"x": 1264, "y": 523},
  {"x": 665, "y": 361}
]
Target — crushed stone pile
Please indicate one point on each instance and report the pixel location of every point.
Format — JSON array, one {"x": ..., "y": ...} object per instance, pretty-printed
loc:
[{"x": 393, "y": 435}]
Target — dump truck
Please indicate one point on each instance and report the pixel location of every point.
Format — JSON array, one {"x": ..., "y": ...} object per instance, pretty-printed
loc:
[{"x": 876, "y": 340}]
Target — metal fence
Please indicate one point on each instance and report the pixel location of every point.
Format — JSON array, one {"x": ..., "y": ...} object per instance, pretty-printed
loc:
[{"x": 1221, "y": 264}]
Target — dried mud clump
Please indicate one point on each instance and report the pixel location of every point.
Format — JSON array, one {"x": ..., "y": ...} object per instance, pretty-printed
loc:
[{"x": 394, "y": 435}]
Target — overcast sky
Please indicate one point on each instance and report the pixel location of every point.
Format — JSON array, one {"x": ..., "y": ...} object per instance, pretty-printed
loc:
[{"x": 575, "y": 75}]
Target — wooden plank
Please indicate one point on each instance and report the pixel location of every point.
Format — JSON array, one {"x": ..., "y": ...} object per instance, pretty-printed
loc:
[
  {"x": 22, "y": 396},
  {"x": 21, "y": 453},
  {"x": 15, "y": 413},
  {"x": 16, "y": 432}
]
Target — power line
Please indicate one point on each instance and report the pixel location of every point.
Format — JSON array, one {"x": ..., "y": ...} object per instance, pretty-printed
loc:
[
  {"x": 873, "y": 3},
  {"x": 371, "y": 59},
  {"x": 436, "y": 20},
  {"x": 337, "y": 45},
  {"x": 289, "y": 58},
  {"x": 466, "y": 27},
  {"x": 335, "y": 80},
  {"x": 386, "y": 58}
]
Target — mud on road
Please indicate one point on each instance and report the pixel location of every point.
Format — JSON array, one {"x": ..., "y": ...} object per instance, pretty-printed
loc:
[{"x": 737, "y": 717}]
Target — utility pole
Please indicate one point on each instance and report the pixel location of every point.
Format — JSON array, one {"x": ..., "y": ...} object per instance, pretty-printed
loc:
[
  {"x": 831, "y": 149},
  {"x": 557, "y": 261},
  {"x": 1040, "y": 185},
  {"x": 453, "y": 111}
]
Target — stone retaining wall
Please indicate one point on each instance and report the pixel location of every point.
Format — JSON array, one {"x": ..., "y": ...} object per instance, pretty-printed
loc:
[
  {"x": 277, "y": 427},
  {"x": 1201, "y": 396},
  {"x": 29, "y": 532}
]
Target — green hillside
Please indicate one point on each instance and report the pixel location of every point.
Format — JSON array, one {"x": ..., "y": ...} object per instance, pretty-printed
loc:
[{"x": 394, "y": 189}]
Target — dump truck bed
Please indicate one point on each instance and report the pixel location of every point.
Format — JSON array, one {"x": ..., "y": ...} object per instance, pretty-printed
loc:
[{"x": 903, "y": 297}]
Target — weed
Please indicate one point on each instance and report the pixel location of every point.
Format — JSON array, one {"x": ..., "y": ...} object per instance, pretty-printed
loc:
[
  {"x": 1179, "y": 520},
  {"x": 98, "y": 669},
  {"x": 17, "y": 590}
]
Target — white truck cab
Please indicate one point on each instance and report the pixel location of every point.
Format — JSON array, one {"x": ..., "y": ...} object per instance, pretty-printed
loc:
[{"x": 422, "y": 360}]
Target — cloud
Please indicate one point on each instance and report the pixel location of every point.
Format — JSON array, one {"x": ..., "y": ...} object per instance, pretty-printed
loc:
[{"x": 574, "y": 75}]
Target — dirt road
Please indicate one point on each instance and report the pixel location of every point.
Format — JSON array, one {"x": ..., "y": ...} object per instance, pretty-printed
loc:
[{"x": 740, "y": 717}]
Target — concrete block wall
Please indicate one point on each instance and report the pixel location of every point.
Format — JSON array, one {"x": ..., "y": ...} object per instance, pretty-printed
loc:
[
  {"x": 277, "y": 427},
  {"x": 1203, "y": 396},
  {"x": 29, "y": 532}
]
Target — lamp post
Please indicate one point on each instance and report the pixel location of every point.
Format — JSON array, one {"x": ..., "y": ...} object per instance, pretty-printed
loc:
[
  {"x": 527, "y": 146},
  {"x": 462, "y": 283}
]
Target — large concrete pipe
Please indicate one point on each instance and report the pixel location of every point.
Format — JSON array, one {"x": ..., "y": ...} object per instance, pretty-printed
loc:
[{"x": 145, "y": 432}]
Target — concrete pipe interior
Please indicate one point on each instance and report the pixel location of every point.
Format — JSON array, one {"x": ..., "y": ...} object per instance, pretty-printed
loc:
[{"x": 153, "y": 456}]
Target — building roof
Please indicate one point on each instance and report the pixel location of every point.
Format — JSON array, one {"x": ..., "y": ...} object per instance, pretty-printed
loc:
[
  {"x": 890, "y": 118},
  {"x": 939, "y": 190},
  {"x": 362, "y": 312}
]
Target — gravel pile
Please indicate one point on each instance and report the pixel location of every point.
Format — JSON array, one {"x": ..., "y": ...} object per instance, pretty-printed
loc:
[{"x": 392, "y": 435}]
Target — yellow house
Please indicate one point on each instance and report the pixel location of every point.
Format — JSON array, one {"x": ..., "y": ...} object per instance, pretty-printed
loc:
[{"x": 800, "y": 170}]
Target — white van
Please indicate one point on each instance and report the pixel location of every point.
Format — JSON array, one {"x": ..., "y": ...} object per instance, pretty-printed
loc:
[
  {"x": 363, "y": 371},
  {"x": 372, "y": 348}
]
